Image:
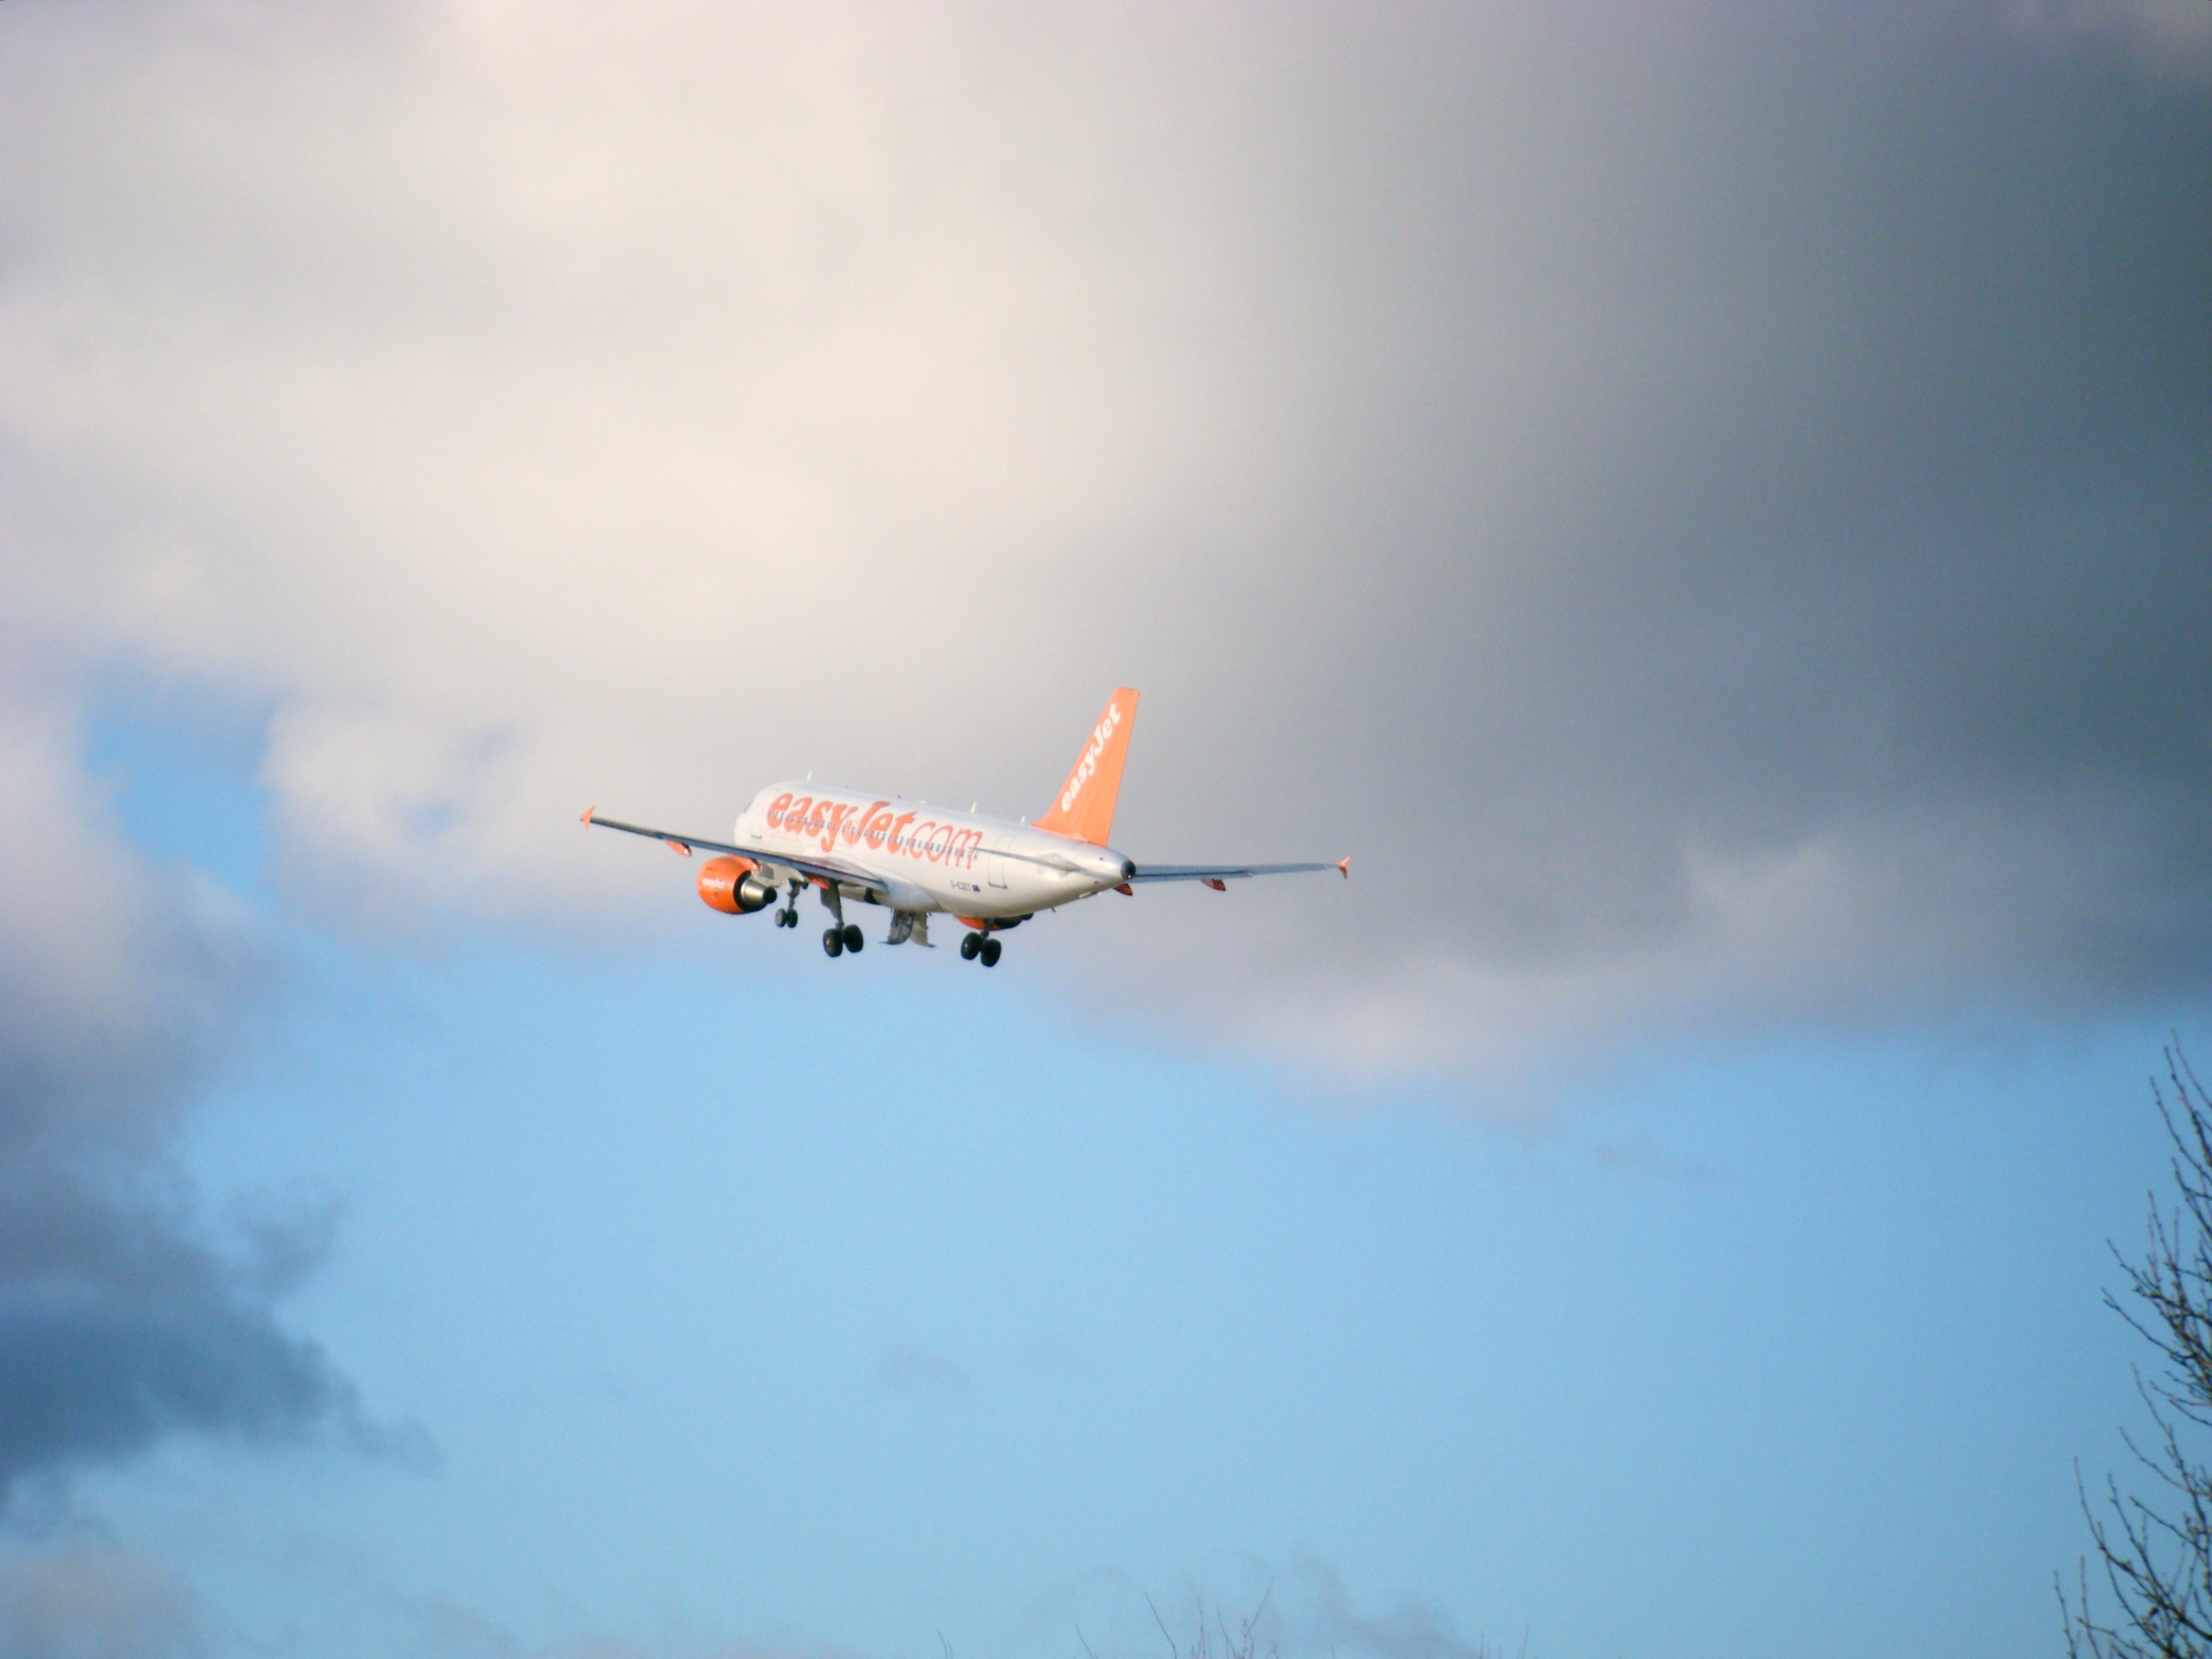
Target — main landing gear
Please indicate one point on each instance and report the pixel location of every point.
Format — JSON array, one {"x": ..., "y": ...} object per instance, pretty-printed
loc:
[
  {"x": 841, "y": 935},
  {"x": 981, "y": 944}
]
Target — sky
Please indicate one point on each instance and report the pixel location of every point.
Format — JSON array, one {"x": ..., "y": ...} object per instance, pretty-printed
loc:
[{"x": 1705, "y": 504}]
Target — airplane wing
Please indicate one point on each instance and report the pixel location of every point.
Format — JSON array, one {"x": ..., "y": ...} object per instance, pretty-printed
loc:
[
  {"x": 1214, "y": 874},
  {"x": 837, "y": 870}
]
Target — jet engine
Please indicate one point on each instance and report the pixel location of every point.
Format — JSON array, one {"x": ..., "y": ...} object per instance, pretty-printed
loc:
[{"x": 733, "y": 886}]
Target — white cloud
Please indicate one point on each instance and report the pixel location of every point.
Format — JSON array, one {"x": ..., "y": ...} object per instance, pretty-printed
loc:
[
  {"x": 119, "y": 981},
  {"x": 1580, "y": 470}
]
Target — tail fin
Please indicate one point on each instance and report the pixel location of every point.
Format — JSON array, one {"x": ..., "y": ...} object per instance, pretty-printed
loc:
[{"x": 1084, "y": 810}]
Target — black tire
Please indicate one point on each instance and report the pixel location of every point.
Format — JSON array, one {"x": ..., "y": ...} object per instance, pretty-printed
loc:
[
  {"x": 833, "y": 942},
  {"x": 989, "y": 952},
  {"x": 852, "y": 940},
  {"x": 968, "y": 946}
]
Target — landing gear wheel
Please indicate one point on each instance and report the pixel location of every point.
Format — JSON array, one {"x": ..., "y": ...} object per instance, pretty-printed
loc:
[
  {"x": 969, "y": 945},
  {"x": 989, "y": 951},
  {"x": 852, "y": 940},
  {"x": 833, "y": 941}
]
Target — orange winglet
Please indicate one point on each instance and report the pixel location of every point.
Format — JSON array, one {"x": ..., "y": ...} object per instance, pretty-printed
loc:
[
  {"x": 1126, "y": 890},
  {"x": 675, "y": 846},
  {"x": 1218, "y": 886},
  {"x": 1344, "y": 868},
  {"x": 589, "y": 810}
]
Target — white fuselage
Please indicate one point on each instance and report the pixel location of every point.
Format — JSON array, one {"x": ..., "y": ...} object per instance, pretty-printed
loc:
[{"x": 930, "y": 859}]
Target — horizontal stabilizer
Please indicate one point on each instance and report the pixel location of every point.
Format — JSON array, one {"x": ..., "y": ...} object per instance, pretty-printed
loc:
[{"x": 1214, "y": 874}]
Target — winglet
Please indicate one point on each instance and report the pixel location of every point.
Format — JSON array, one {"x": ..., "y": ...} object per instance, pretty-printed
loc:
[
  {"x": 1344, "y": 868},
  {"x": 589, "y": 810}
]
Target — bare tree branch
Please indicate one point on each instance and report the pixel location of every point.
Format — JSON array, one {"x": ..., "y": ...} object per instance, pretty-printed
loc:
[{"x": 2157, "y": 1555}]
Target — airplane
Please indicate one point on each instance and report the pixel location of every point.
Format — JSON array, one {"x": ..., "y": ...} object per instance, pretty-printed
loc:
[{"x": 919, "y": 861}]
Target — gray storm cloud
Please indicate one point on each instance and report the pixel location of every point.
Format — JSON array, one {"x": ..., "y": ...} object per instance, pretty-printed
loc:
[
  {"x": 1707, "y": 509},
  {"x": 121, "y": 1320}
]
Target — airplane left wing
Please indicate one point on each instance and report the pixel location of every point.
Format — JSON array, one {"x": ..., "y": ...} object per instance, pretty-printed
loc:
[
  {"x": 837, "y": 870},
  {"x": 1214, "y": 874}
]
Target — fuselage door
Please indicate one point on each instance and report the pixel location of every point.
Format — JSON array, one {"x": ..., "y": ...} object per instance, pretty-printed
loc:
[{"x": 995, "y": 870}]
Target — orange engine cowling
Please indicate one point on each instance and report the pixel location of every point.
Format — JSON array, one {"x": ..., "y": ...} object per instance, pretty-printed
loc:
[{"x": 732, "y": 886}]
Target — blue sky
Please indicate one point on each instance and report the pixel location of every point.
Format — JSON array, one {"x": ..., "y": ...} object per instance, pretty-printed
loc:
[
  {"x": 741, "y": 1302},
  {"x": 1705, "y": 506}
]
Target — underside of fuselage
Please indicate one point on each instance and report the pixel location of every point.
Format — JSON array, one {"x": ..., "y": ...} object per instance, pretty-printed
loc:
[{"x": 1001, "y": 916}]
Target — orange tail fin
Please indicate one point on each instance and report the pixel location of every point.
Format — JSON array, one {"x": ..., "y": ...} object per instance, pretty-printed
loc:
[{"x": 1084, "y": 810}]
